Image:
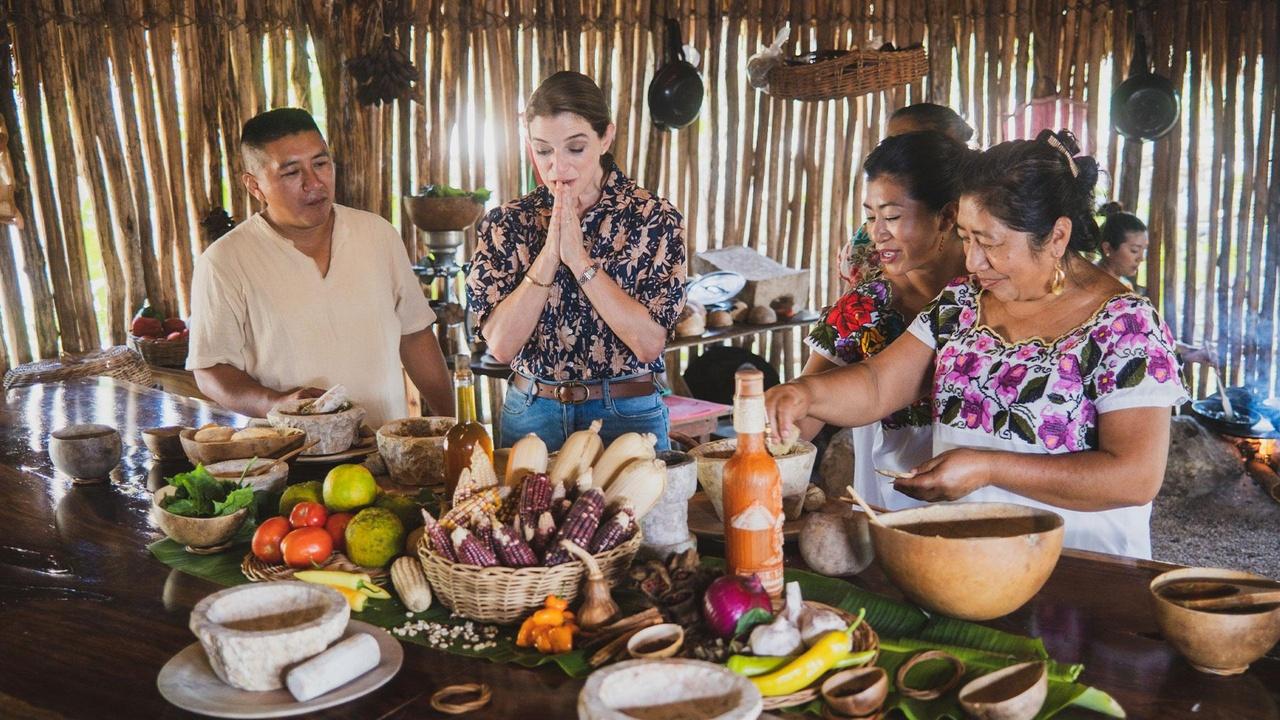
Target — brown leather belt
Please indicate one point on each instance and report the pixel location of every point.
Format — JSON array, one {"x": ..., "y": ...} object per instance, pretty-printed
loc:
[{"x": 572, "y": 392}]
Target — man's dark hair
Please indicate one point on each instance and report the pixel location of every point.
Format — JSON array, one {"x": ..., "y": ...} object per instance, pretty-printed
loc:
[{"x": 272, "y": 125}]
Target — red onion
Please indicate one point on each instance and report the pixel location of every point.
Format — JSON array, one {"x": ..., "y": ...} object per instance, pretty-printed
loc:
[{"x": 729, "y": 598}]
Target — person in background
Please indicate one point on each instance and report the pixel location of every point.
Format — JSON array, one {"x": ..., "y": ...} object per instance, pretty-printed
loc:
[
  {"x": 1123, "y": 243},
  {"x": 307, "y": 293},
  {"x": 856, "y": 259},
  {"x": 1051, "y": 382},
  {"x": 579, "y": 283},
  {"x": 911, "y": 192}
]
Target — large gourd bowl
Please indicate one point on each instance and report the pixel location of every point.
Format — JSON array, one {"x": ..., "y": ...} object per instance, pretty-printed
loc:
[
  {"x": 1221, "y": 642},
  {"x": 212, "y": 452},
  {"x": 973, "y": 561}
]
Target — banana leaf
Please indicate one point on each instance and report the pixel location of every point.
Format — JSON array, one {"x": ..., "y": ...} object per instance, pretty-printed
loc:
[{"x": 903, "y": 628}]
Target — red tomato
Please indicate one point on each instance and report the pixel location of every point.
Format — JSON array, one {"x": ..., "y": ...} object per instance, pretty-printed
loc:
[
  {"x": 336, "y": 526},
  {"x": 173, "y": 325},
  {"x": 306, "y": 547},
  {"x": 266, "y": 539},
  {"x": 146, "y": 327},
  {"x": 308, "y": 514}
]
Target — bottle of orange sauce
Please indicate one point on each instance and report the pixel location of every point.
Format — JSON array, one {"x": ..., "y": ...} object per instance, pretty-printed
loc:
[{"x": 753, "y": 491}]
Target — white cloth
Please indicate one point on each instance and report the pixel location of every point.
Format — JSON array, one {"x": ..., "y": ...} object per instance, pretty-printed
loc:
[{"x": 261, "y": 305}]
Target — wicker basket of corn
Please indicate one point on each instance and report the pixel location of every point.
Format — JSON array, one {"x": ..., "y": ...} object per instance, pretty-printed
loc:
[{"x": 496, "y": 555}]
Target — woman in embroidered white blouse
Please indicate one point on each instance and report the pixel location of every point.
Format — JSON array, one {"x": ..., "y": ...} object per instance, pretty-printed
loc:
[{"x": 1051, "y": 382}]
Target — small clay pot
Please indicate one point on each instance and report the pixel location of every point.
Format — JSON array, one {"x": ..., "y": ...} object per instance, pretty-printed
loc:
[
  {"x": 87, "y": 453},
  {"x": 1012, "y": 693},
  {"x": 856, "y": 692},
  {"x": 164, "y": 442},
  {"x": 656, "y": 642}
]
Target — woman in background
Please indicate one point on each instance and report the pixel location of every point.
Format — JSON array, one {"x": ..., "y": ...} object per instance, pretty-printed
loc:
[{"x": 1123, "y": 243}]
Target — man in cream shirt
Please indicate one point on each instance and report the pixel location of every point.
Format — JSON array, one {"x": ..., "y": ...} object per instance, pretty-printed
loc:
[{"x": 307, "y": 293}]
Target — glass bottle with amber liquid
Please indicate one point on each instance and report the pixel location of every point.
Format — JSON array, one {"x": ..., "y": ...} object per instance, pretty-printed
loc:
[
  {"x": 462, "y": 438},
  {"x": 753, "y": 491}
]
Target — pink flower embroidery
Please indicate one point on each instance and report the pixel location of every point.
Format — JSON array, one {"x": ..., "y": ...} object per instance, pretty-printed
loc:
[
  {"x": 1160, "y": 366},
  {"x": 967, "y": 316},
  {"x": 1106, "y": 382},
  {"x": 984, "y": 343},
  {"x": 1057, "y": 431},
  {"x": 1009, "y": 380},
  {"x": 1069, "y": 380},
  {"x": 967, "y": 367},
  {"x": 975, "y": 410},
  {"x": 1131, "y": 328}
]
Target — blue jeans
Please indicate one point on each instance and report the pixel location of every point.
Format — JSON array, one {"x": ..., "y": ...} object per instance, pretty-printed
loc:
[{"x": 553, "y": 421}]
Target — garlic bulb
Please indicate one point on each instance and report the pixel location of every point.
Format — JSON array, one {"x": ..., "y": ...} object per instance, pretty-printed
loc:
[
  {"x": 779, "y": 637},
  {"x": 816, "y": 622}
]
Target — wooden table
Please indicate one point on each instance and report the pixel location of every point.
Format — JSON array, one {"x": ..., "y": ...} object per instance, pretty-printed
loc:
[{"x": 88, "y": 617}]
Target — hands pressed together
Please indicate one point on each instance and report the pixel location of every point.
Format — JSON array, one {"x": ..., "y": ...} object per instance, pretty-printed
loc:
[{"x": 565, "y": 244}]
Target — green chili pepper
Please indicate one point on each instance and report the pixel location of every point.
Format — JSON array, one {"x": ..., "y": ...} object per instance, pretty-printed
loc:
[
  {"x": 753, "y": 665},
  {"x": 802, "y": 671}
]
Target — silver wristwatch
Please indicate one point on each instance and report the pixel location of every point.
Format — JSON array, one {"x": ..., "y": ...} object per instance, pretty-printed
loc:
[{"x": 589, "y": 273}]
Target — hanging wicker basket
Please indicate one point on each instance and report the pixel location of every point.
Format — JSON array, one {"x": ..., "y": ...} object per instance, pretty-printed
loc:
[{"x": 856, "y": 72}]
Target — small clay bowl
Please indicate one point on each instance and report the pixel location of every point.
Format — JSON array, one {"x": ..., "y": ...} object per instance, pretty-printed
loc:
[
  {"x": 201, "y": 536},
  {"x": 164, "y": 442},
  {"x": 856, "y": 692},
  {"x": 1012, "y": 693},
  {"x": 87, "y": 453},
  {"x": 656, "y": 642},
  {"x": 1221, "y": 642}
]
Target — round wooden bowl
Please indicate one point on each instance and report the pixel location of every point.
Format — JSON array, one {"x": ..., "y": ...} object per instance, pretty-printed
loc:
[
  {"x": 201, "y": 536},
  {"x": 973, "y": 561},
  {"x": 1215, "y": 642},
  {"x": 87, "y": 452},
  {"x": 164, "y": 442},
  {"x": 212, "y": 452},
  {"x": 432, "y": 214}
]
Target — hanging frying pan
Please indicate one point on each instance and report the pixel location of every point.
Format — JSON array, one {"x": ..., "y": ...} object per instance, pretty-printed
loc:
[
  {"x": 675, "y": 93},
  {"x": 1146, "y": 105}
]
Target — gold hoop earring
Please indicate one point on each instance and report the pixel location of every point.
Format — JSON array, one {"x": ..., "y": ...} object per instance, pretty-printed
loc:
[{"x": 1059, "y": 280}]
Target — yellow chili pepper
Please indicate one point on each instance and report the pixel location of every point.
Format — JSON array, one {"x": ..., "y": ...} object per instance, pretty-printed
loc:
[{"x": 810, "y": 666}]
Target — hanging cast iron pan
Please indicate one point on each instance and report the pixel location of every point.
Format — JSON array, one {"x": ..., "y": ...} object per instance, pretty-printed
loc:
[
  {"x": 1145, "y": 106},
  {"x": 675, "y": 93}
]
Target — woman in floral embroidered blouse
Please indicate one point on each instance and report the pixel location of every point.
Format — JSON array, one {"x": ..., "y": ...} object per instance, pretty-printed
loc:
[
  {"x": 911, "y": 192},
  {"x": 1051, "y": 382},
  {"x": 578, "y": 284}
]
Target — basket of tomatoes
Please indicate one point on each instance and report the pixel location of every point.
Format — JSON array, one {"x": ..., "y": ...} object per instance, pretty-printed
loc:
[{"x": 159, "y": 339}]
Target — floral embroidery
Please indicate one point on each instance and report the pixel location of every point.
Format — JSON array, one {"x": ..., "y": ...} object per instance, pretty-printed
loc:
[
  {"x": 1045, "y": 394},
  {"x": 638, "y": 239},
  {"x": 859, "y": 325},
  {"x": 859, "y": 261}
]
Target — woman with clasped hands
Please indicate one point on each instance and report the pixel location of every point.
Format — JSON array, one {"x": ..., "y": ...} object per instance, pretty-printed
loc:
[
  {"x": 578, "y": 284},
  {"x": 1051, "y": 382}
]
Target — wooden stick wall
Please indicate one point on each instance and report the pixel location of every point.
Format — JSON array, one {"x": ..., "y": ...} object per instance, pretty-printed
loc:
[{"x": 123, "y": 118}]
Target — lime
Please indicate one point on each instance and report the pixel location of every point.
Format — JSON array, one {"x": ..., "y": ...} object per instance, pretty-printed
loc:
[
  {"x": 348, "y": 487},
  {"x": 374, "y": 536},
  {"x": 309, "y": 491},
  {"x": 405, "y": 508}
]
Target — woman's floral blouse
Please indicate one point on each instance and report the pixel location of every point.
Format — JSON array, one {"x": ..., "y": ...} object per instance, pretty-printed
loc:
[
  {"x": 858, "y": 259},
  {"x": 638, "y": 239},
  {"x": 862, "y": 323},
  {"x": 1046, "y": 395}
]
